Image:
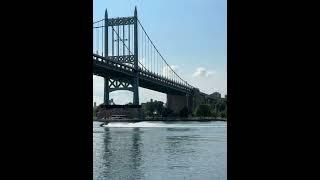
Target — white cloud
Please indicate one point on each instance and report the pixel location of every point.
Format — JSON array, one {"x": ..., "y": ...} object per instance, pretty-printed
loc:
[
  {"x": 210, "y": 81},
  {"x": 210, "y": 73},
  {"x": 202, "y": 72},
  {"x": 174, "y": 67}
]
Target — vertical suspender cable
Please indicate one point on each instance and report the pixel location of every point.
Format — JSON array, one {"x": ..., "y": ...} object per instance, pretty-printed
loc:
[
  {"x": 102, "y": 41},
  {"x": 118, "y": 41},
  {"x": 112, "y": 41},
  {"x": 97, "y": 41},
  {"x": 123, "y": 40},
  {"x": 129, "y": 39}
]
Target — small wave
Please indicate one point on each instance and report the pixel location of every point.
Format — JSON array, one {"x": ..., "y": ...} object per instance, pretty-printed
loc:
[
  {"x": 98, "y": 132},
  {"x": 161, "y": 124}
]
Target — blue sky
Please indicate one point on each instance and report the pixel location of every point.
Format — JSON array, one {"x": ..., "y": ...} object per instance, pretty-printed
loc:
[{"x": 190, "y": 34}]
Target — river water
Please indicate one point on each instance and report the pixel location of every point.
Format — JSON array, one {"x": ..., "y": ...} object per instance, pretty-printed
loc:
[{"x": 158, "y": 150}]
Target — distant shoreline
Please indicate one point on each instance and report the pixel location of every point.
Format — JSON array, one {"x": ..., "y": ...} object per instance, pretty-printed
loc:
[{"x": 163, "y": 119}]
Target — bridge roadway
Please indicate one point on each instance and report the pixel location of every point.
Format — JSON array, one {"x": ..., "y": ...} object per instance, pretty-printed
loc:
[
  {"x": 115, "y": 68},
  {"x": 178, "y": 95}
]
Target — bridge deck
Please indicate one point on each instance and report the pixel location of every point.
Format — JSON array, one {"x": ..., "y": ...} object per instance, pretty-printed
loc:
[{"x": 103, "y": 66}]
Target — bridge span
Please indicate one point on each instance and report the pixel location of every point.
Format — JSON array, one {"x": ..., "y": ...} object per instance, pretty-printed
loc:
[{"x": 125, "y": 56}]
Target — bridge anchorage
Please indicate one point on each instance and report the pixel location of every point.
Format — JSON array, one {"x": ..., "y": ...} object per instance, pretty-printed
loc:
[{"x": 129, "y": 59}]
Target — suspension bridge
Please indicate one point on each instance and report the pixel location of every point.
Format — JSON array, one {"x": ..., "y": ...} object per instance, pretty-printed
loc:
[{"x": 125, "y": 56}]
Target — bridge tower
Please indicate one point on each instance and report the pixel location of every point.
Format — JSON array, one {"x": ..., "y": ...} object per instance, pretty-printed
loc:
[
  {"x": 106, "y": 78},
  {"x": 121, "y": 38},
  {"x": 136, "y": 79}
]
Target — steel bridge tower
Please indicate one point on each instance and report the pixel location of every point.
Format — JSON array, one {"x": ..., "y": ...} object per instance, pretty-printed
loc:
[{"x": 131, "y": 57}]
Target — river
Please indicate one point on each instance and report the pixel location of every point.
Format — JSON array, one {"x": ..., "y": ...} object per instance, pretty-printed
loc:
[{"x": 160, "y": 151}]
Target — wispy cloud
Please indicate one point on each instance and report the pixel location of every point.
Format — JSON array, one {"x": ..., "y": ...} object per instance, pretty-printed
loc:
[
  {"x": 210, "y": 73},
  {"x": 202, "y": 72}
]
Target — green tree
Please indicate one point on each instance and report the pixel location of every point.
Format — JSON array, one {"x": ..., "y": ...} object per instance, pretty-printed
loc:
[
  {"x": 150, "y": 107},
  {"x": 214, "y": 114},
  {"x": 203, "y": 110},
  {"x": 223, "y": 114},
  {"x": 167, "y": 112},
  {"x": 184, "y": 112},
  {"x": 94, "y": 113},
  {"x": 223, "y": 105}
]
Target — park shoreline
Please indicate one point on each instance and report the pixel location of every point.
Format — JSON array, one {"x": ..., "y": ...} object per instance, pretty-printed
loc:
[{"x": 170, "y": 119}]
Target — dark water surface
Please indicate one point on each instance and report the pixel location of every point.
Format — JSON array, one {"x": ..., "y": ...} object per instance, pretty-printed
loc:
[{"x": 158, "y": 150}]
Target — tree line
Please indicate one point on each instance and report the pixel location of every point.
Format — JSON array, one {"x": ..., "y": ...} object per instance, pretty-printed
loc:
[
  {"x": 158, "y": 108},
  {"x": 216, "y": 109}
]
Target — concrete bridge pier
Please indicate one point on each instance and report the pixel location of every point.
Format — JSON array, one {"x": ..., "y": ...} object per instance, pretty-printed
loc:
[
  {"x": 136, "y": 91},
  {"x": 178, "y": 102},
  {"x": 197, "y": 99}
]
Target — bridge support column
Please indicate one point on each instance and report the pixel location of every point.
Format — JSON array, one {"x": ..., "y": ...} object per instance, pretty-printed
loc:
[
  {"x": 177, "y": 102},
  {"x": 106, "y": 90},
  {"x": 196, "y": 99},
  {"x": 136, "y": 91},
  {"x": 189, "y": 102}
]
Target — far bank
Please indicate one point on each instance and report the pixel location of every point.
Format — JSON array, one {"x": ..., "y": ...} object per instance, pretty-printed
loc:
[{"x": 172, "y": 119}]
